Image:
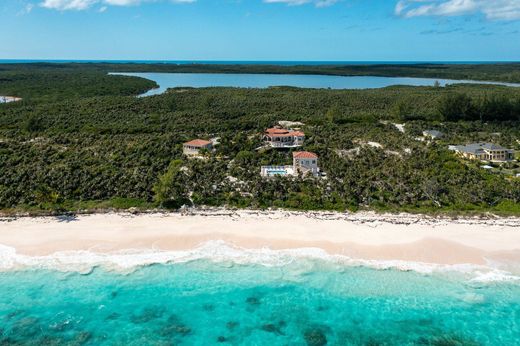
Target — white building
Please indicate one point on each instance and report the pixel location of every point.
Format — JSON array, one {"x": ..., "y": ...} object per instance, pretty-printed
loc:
[
  {"x": 282, "y": 138},
  {"x": 306, "y": 163},
  {"x": 8, "y": 99},
  {"x": 484, "y": 152}
]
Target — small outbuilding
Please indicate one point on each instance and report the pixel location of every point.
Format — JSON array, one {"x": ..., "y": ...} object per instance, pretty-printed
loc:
[
  {"x": 433, "y": 134},
  {"x": 193, "y": 148}
]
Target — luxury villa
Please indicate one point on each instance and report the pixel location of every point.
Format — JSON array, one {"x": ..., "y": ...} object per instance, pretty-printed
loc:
[
  {"x": 304, "y": 162},
  {"x": 193, "y": 148},
  {"x": 278, "y": 137},
  {"x": 484, "y": 152}
]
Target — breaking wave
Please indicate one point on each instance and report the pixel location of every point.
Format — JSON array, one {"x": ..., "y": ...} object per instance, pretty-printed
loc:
[{"x": 227, "y": 254}]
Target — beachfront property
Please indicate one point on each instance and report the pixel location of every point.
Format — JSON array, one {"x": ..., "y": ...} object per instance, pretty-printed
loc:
[
  {"x": 484, "y": 152},
  {"x": 304, "y": 162},
  {"x": 278, "y": 137},
  {"x": 194, "y": 147},
  {"x": 432, "y": 134}
]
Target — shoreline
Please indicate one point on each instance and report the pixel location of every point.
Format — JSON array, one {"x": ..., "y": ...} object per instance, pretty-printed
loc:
[{"x": 358, "y": 237}]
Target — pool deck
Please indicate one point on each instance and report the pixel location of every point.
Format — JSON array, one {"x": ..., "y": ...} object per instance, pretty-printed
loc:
[{"x": 271, "y": 171}]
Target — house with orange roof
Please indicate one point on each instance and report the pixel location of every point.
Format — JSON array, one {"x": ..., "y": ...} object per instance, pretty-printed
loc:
[
  {"x": 278, "y": 137},
  {"x": 193, "y": 148},
  {"x": 304, "y": 163}
]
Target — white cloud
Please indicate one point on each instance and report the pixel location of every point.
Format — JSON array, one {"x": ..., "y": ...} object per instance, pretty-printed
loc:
[
  {"x": 317, "y": 3},
  {"x": 68, "y": 4},
  {"x": 491, "y": 9},
  {"x": 78, "y": 5},
  {"x": 26, "y": 10}
]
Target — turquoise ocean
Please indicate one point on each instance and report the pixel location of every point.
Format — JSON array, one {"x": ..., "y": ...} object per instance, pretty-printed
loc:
[{"x": 302, "y": 301}]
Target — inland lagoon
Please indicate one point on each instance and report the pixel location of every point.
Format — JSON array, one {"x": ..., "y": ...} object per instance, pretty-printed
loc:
[
  {"x": 298, "y": 302},
  {"x": 234, "y": 80}
]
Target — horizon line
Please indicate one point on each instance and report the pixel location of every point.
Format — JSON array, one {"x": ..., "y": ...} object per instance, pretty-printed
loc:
[{"x": 194, "y": 61}]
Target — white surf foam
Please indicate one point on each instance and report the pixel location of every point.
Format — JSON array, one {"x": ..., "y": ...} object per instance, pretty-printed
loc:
[
  {"x": 221, "y": 252},
  {"x": 494, "y": 276}
]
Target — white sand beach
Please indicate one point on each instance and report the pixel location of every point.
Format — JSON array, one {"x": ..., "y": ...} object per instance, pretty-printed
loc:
[{"x": 364, "y": 236}]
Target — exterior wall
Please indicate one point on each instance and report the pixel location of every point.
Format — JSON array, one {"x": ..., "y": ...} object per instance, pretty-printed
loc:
[
  {"x": 298, "y": 140},
  {"x": 284, "y": 141},
  {"x": 493, "y": 155},
  {"x": 499, "y": 155},
  {"x": 194, "y": 150},
  {"x": 306, "y": 165}
]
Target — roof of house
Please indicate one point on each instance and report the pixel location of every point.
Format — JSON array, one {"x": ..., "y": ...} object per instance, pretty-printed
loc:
[
  {"x": 490, "y": 146},
  {"x": 276, "y": 131},
  {"x": 283, "y": 132},
  {"x": 198, "y": 143},
  {"x": 474, "y": 148},
  {"x": 304, "y": 155}
]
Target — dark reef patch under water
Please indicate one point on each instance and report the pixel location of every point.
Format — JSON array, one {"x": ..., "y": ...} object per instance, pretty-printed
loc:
[{"x": 303, "y": 303}]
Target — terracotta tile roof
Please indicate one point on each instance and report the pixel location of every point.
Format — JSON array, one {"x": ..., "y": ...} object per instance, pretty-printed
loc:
[
  {"x": 275, "y": 131},
  {"x": 198, "y": 143},
  {"x": 283, "y": 133},
  {"x": 304, "y": 155}
]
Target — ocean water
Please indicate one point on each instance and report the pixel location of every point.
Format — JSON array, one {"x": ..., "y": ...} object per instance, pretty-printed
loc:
[
  {"x": 299, "y": 301},
  {"x": 202, "y": 80},
  {"x": 248, "y": 62}
]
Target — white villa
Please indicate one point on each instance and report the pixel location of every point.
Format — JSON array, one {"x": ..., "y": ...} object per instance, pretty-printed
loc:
[
  {"x": 278, "y": 137},
  {"x": 193, "y": 148},
  {"x": 304, "y": 162},
  {"x": 484, "y": 152},
  {"x": 432, "y": 134}
]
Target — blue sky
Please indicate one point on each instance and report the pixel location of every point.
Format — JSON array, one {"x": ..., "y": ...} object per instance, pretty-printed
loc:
[{"x": 333, "y": 30}]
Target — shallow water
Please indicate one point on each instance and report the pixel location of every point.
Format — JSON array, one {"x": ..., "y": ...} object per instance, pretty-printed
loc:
[
  {"x": 200, "y": 80},
  {"x": 306, "y": 301}
]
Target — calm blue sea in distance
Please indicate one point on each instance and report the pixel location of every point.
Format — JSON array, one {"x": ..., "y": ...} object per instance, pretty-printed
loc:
[
  {"x": 304, "y": 302},
  {"x": 242, "y": 62}
]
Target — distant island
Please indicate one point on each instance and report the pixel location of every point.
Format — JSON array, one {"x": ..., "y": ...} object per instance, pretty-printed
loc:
[{"x": 80, "y": 140}]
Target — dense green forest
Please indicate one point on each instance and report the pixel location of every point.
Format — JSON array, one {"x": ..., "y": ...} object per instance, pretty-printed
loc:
[{"x": 80, "y": 139}]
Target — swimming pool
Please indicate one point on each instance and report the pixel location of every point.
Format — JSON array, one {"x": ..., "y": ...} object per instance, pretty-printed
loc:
[
  {"x": 276, "y": 172},
  {"x": 271, "y": 171}
]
